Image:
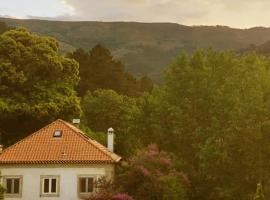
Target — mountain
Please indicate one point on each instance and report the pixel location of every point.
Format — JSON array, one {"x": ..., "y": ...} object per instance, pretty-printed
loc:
[
  {"x": 262, "y": 49},
  {"x": 145, "y": 48}
]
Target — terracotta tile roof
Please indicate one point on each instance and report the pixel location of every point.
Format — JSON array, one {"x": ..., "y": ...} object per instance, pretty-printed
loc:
[{"x": 42, "y": 148}]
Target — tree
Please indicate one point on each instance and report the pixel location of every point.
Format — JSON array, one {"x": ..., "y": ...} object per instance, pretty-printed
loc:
[
  {"x": 210, "y": 114},
  {"x": 2, "y": 190},
  {"x": 98, "y": 69},
  {"x": 150, "y": 174},
  {"x": 146, "y": 84},
  {"x": 218, "y": 101},
  {"x": 104, "y": 109},
  {"x": 36, "y": 83},
  {"x": 3, "y": 27},
  {"x": 259, "y": 193}
]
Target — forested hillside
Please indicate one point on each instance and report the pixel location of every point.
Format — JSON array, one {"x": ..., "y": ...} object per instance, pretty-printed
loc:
[
  {"x": 262, "y": 49},
  {"x": 145, "y": 48},
  {"x": 203, "y": 135}
]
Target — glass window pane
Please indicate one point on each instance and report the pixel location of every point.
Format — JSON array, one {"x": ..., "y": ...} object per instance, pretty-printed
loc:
[
  {"x": 53, "y": 187},
  {"x": 90, "y": 185},
  {"x": 46, "y": 185},
  {"x": 16, "y": 186},
  {"x": 9, "y": 185},
  {"x": 82, "y": 185}
]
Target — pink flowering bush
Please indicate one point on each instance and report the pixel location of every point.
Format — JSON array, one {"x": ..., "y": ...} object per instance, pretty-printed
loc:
[
  {"x": 151, "y": 175},
  {"x": 122, "y": 197},
  {"x": 108, "y": 191},
  {"x": 102, "y": 196},
  {"x": 148, "y": 175}
]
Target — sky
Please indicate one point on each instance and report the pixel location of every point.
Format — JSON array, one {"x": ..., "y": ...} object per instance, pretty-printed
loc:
[{"x": 233, "y": 13}]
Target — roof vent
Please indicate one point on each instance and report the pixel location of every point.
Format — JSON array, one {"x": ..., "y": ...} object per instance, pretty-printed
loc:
[{"x": 57, "y": 134}]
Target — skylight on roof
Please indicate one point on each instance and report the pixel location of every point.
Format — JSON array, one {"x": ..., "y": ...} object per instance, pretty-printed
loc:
[{"x": 57, "y": 134}]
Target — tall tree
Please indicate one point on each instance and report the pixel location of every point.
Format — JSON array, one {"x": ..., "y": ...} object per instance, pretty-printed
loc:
[
  {"x": 146, "y": 84},
  {"x": 210, "y": 114},
  {"x": 36, "y": 83},
  {"x": 106, "y": 108},
  {"x": 219, "y": 101},
  {"x": 98, "y": 69}
]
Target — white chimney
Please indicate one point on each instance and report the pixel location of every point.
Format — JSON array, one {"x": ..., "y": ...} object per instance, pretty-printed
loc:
[{"x": 110, "y": 140}]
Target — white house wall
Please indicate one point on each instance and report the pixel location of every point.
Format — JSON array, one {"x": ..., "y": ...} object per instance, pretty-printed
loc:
[{"x": 68, "y": 178}]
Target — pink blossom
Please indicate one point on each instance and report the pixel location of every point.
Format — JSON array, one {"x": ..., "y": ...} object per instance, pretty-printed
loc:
[
  {"x": 166, "y": 161},
  {"x": 145, "y": 171}
]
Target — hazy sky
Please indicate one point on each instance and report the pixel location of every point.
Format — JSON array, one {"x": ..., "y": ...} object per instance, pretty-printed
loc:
[{"x": 234, "y": 13}]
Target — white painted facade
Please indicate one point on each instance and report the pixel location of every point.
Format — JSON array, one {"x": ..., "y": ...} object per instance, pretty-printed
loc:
[{"x": 68, "y": 178}]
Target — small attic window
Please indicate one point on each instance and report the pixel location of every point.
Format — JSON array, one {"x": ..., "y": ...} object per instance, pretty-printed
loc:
[{"x": 57, "y": 134}]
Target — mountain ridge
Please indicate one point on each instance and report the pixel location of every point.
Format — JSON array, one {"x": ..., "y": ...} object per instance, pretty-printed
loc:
[{"x": 144, "y": 48}]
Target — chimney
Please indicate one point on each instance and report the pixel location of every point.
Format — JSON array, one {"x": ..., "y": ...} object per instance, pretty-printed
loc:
[
  {"x": 76, "y": 122},
  {"x": 110, "y": 140}
]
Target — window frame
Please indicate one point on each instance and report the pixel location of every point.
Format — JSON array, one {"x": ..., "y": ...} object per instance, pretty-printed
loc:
[
  {"x": 13, "y": 195},
  {"x": 50, "y": 177},
  {"x": 86, "y": 176}
]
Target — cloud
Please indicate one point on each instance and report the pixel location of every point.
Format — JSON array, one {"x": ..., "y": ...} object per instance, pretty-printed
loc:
[
  {"x": 133, "y": 10},
  {"x": 234, "y": 13},
  {"x": 239, "y": 13}
]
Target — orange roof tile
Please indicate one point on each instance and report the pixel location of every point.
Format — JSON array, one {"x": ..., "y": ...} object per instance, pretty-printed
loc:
[{"x": 42, "y": 148}]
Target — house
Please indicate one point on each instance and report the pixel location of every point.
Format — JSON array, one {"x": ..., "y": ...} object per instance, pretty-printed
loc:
[{"x": 58, "y": 162}]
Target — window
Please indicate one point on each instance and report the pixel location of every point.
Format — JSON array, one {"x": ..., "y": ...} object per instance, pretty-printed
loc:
[
  {"x": 57, "y": 134},
  {"x": 50, "y": 186},
  {"x": 13, "y": 185},
  {"x": 85, "y": 185}
]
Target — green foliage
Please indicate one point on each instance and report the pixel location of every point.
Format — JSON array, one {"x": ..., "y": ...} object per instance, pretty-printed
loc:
[
  {"x": 146, "y": 84},
  {"x": 98, "y": 136},
  {"x": 3, "y": 27},
  {"x": 36, "y": 83},
  {"x": 210, "y": 115},
  {"x": 98, "y": 69},
  {"x": 145, "y": 48},
  {"x": 259, "y": 193},
  {"x": 104, "y": 109},
  {"x": 2, "y": 190},
  {"x": 150, "y": 174}
]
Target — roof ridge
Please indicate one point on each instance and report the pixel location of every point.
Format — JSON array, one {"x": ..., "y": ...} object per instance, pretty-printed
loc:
[
  {"x": 95, "y": 143},
  {"x": 29, "y": 136}
]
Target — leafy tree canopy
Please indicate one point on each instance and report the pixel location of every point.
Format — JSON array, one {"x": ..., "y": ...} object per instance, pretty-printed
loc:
[
  {"x": 104, "y": 109},
  {"x": 210, "y": 115},
  {"x": 36, "y": 83},
  {"x": 98, "y": 69},
  {"x": 3, "y": 27}
]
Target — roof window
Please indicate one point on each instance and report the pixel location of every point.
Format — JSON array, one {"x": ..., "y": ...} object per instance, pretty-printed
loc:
[{"x": 57, "y": 134}]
